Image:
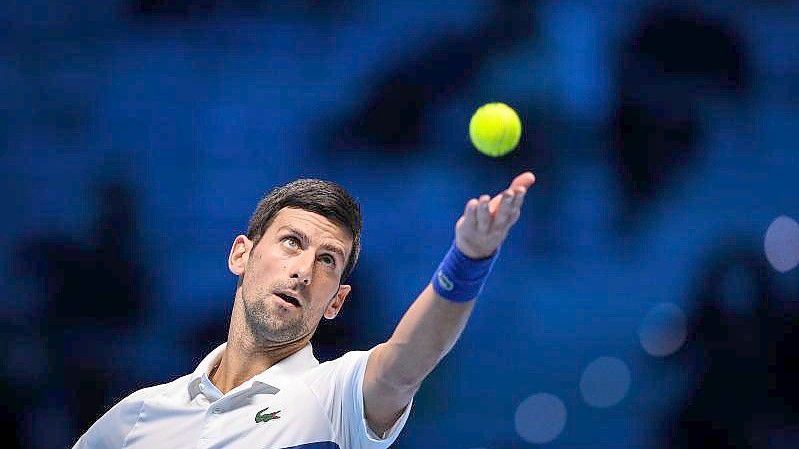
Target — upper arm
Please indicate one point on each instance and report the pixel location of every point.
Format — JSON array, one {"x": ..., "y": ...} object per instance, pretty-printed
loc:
[
  {"x": 340, "y": 385},
  {"x": 396, "y": 368},
  {"x": 384, "y": 398}
]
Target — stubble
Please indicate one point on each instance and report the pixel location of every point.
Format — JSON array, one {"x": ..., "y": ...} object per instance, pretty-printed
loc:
[{"x": 266, "y": 322}]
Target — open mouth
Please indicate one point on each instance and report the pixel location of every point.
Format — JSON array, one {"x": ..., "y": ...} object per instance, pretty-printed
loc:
[{"x": 288, "y": 298}]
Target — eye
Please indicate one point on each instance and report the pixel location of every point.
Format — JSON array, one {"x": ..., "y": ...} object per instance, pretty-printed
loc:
[
  {"x": 329, "y": 260},
  {"x": 293, "y": 242}
]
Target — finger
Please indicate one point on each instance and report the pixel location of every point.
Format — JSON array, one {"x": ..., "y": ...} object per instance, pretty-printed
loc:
[
  {"x": 470, "y": 214},
  {"x": 518, "y": 199},
  {"x": 516, "y": 208},
  {"x": 503, "y": 215},
  {"x": 483, "y": 215},
  {"x": 494, "y": 204},
  {"x": 525, "y": 180}
]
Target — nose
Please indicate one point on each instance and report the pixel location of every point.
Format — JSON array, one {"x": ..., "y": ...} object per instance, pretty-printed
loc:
[
  {"x": 302, "y": 269},
  {"x": 305, "y": 280}
]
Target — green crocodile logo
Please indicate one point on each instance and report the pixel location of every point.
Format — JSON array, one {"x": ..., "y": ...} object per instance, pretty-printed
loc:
[{"x": 262, "y": 416}]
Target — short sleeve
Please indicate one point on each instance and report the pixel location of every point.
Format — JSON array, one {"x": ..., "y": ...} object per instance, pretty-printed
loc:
[{"x": 339, "y": 385}]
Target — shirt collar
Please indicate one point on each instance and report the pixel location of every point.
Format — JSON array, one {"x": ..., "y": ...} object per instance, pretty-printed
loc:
[
  {"x": 204, "y": 368},
  {"x": 275, "y": 376}
]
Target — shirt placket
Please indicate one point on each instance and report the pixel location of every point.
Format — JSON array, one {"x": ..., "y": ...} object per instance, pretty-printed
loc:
[{"x": 214, "y": 416}]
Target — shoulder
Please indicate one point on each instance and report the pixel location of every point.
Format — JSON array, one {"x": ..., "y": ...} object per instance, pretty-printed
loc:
[
  {"x": 334, "y": 379},
  {"x": 111, "y": 429},
  {"x": 345, "y": 366},
  {"x": 338, "y": 385},
  {"x": 175, "y": 387}
]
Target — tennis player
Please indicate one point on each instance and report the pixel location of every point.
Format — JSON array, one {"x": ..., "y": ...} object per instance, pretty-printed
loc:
[{"x": 264, "y": 388}]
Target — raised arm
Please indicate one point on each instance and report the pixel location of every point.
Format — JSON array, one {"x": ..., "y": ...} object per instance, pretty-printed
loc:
[{"x": 433, "y": 323}]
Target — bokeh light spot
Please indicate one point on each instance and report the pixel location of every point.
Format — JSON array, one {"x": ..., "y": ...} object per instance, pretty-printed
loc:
[
  {"x": 605, "y": 382},
  {"x": 663, "y": 330},
  {"x": 540, "y": 418},
  {"x": 782, "y": 243}
]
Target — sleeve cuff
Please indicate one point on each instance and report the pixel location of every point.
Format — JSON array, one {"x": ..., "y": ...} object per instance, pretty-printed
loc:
[
  {"x": 388, "y": 437},
  {"x": 391, "y": 433}
]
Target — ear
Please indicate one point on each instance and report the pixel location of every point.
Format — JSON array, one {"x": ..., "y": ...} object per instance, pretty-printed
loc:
[
  {"x": 239, "y": 255},
  {"x": 335, "y": 305}
]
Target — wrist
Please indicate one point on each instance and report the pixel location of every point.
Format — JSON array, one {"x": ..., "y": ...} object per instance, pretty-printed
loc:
[
  {"x": 472, "y": 253},
  {"x": 461, "y": 278}
]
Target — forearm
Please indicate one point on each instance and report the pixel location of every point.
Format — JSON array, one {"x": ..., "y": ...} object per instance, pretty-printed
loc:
[{"x": 426, "y": 333}]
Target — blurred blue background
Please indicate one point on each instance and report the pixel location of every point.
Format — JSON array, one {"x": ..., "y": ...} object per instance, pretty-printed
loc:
[{"x": 646, "y": 299}]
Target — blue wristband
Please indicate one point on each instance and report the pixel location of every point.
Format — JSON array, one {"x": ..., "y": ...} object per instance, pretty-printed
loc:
[{"x": 460, "y": 278}]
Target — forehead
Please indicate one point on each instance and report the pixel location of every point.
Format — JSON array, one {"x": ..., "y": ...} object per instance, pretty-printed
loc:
[{"x": 312, "y": 224}]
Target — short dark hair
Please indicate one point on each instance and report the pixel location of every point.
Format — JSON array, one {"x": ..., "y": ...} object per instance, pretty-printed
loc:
[{"x": 325, "y": 198}]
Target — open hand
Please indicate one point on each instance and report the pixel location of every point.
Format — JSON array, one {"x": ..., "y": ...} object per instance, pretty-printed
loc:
[{"x": 486, "y": 221}]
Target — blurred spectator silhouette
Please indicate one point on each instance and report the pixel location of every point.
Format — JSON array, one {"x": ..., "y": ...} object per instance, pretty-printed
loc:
[
  {"x": 210, "y": 332},
  {"x": 741, "y": 355},
  {"x": 94, "y": 293},
  {"x": 392, "y": 115},
  {"x": 673, "y": 62},
  {"x": 9, "y": 414}
]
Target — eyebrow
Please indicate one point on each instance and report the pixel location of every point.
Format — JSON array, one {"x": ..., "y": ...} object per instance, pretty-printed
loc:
[{"x": 305, "y": 239}]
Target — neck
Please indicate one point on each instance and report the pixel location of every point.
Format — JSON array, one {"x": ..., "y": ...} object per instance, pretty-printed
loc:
[{"x": 245, "y": 358}]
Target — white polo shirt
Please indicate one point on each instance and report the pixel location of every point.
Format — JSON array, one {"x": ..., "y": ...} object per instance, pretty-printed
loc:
[{"x": 297, "y": 403}]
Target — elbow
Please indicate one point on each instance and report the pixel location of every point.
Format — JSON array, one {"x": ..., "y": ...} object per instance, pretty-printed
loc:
[{"x": 403, "y": 369}]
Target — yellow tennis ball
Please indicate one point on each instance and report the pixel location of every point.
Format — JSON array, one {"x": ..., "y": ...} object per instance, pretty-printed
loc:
[{"x": 495, "y": 129}]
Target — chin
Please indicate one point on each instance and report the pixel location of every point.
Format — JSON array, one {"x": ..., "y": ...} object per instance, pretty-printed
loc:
[{"x": 282, "y": 334}]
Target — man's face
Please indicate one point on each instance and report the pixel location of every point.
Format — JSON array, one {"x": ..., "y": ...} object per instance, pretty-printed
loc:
[{"x": 290, "y": 279}]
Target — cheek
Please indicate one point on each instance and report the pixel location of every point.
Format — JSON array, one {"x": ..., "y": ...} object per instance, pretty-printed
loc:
[
  {"x": 326, "y": 293},
  {"x": 271, "y": 262}
]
